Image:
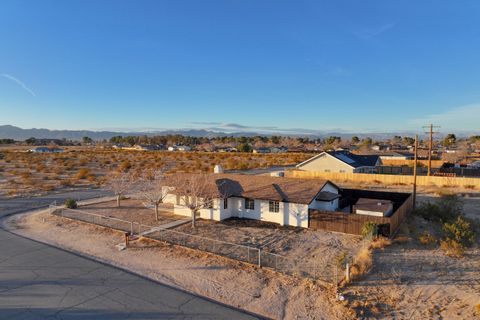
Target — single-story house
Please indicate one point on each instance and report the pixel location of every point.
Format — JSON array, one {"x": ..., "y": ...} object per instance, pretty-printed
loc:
[
  {"x": 285, "y": 201},
  {"x": 341, "y": 161}
]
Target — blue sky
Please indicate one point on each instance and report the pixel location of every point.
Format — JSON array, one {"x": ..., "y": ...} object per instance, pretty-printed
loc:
[{"x": 321, "y": 65}]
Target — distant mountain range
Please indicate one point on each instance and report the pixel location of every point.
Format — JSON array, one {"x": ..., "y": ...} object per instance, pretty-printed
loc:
[{"x": 12, "y": 132}]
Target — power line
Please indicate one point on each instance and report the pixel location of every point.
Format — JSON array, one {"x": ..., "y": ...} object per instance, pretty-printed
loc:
[{"x": 430, "y": 146}]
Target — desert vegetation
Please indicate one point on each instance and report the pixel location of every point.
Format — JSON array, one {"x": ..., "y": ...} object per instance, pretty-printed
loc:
[{"x": 24, "y": 173}]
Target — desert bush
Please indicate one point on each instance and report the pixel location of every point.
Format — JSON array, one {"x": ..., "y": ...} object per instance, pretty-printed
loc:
[
  {"x": 452, "y": 248},
  {"x": 426, "y": 238},
  {"x": 71, "y": 203},
  {"x": 460, "y": 230},
  {"x": 82, "y": 173},
  {"x": 362, "y": 263},
  {"x": 445, "y": 209},
  {"x": 380, "y": 243},
  {"x": 369, "y": 229}
]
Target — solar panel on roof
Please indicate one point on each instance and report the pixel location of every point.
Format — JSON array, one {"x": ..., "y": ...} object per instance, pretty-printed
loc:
[{"x": 344, "y": 158}]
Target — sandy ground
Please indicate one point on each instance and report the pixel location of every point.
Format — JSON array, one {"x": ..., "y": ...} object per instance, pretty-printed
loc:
[
  {"x": 298, "y": 244},
  {"x": 414, "y": 281},
  {"x": 257, "y": 290},
  {"x": 133, "y": 210}
]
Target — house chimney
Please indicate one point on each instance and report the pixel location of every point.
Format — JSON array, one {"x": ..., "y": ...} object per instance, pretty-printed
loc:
[{"x": 218, "y": 169}]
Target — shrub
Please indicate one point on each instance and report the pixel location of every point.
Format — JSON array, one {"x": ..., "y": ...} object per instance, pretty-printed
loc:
[
  {"x": 369, "y": 229},
  {"x": 427, "y": 238},
  {"x": 71, "y": 203},
  {"x": 362, "y": 262},
  {"x": 452, "y": 248},
  {"x": 443, "y": 210},
  {"x": 380, "y": 243},
  {"x": 83, "y": 173},
  {"x": 461, "y": 231}
]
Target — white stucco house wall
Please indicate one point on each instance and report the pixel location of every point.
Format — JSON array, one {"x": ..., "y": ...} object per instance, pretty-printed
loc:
[{"x": 285, "y": 201}]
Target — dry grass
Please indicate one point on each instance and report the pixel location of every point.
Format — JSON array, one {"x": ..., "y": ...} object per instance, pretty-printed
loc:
[
  {"x": 380, "y": 243},
  {"x": 426, "y": 238},
  {"x": 452, "y": 248},
  {"x": 362, "y": 263}
]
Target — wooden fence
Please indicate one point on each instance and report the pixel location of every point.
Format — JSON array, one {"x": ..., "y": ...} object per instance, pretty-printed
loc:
[
  {"x": 410, "y": 163},
  {"x": 367, "y": 178},
  {"x": 353, "y": 223}
]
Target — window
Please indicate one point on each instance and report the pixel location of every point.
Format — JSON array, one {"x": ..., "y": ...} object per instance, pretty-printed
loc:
[
  {"x": 342, "y": 171},
  {"x": 249, "y": 204},
  {"x": 273, "y": 206},
  {"x": 225, "y": 203},
  {"x": 327, "y": 170}
]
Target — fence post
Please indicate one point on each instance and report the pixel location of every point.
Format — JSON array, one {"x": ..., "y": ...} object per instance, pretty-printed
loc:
[
  {"x": 131, "y": 228},
  {"x": 248, "y": 254},
  {"x": 259, "y": 260},
  {"x": 347, "y": 273},
  {"x": 276, "y": 262}
]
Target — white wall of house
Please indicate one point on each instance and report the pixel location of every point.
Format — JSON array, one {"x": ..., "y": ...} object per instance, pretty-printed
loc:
[{"x": 291, "y": 214}]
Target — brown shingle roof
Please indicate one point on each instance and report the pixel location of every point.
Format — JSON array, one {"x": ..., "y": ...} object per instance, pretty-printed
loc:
[{"x": 293, "y": 190}]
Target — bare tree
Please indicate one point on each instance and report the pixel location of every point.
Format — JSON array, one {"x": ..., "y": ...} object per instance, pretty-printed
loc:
[
  {"x": 153, "y": 186},
  {"x": 120, "y": 183},
  {"x": 195, "y": 192}
]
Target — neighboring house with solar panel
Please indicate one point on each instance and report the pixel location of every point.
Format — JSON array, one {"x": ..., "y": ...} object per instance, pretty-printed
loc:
[{"x": 342, "y": 162}]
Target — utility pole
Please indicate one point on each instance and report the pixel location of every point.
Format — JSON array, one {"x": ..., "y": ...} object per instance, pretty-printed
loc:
[
  {"x": 415, "y": 173},
  {"x": 430, "y": 147}
]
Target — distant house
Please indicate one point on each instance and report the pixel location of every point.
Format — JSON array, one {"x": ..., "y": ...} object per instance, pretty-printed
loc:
[
  {"x": 226, "y": 149},
  {"x": 341, "y": 161},
  {"x": 261, "y": 150},
  {"x": 46, "y": 150},
  {"x": 147, "y": 147},
  {"x": 275, "y": 199},
  {"x": 179, "y": 148},
  {"x": 380, "y": 147},
  {"x": 397, "y": 155},
  {"x": 281, "y": 149}
]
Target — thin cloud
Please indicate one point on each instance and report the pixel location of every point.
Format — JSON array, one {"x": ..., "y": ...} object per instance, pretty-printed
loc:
[
  {"x": 463, "y": 117},
  {"x": 20, "y": 83},
  {"x": 369, "y": 33}
]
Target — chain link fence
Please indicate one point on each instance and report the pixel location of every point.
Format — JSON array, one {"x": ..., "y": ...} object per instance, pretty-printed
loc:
[{"x": 319, "y": 269}]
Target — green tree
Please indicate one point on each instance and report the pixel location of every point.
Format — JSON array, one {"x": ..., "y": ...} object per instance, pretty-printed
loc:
[
  {"x": 449, "y": 140},
  {"x": 245, "y": 147},
  {"x": 31, "y": 140},
  {"x": 355, "y": 139},
  {"x": 87, "y": 140}
]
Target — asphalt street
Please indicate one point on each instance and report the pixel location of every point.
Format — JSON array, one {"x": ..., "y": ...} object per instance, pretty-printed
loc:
[{"x": 38, "y": 281}]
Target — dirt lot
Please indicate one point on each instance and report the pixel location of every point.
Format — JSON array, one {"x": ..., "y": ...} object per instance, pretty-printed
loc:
[
  {"x": 133, "y": 210},
  {"x": 298, "y": 244},
  {"x": 410, "y": 280},
  {"x": 258, "y": 290}
]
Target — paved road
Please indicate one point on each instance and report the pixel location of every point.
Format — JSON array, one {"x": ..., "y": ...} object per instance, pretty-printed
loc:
[{"x": 38, "y": 281}]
